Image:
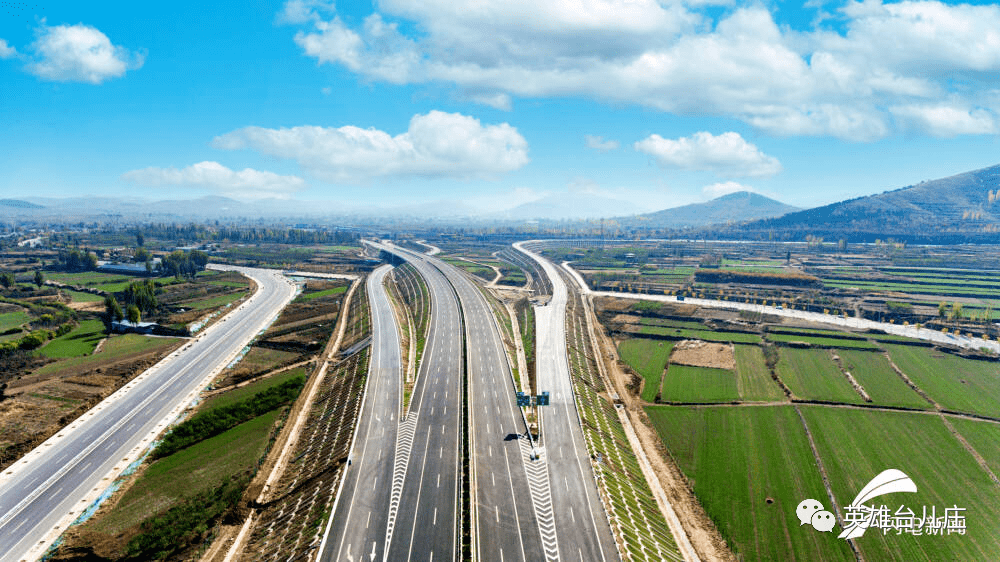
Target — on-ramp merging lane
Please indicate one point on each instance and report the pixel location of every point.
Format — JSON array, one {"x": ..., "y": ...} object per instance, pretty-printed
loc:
[
  {"x": 46, "y": 490},
  {"x": 582, "y": 526},
  {"x": 357, "y": 529}
]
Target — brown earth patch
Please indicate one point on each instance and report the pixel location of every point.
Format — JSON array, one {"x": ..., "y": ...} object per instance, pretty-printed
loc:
[{"x": 698, "y": 353}]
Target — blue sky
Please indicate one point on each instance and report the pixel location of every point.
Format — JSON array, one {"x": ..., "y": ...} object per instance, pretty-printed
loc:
[{"x": 493, "y": 104}]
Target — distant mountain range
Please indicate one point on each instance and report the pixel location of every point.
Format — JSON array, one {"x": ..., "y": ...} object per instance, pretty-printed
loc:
[
  {"x": 18, "y": 204},
  {"x": 960, "y": 208},
  {"x": 566, "y": 206},
  {"x": 956, "y": 209},
  {"x": 735, "y": 207}
]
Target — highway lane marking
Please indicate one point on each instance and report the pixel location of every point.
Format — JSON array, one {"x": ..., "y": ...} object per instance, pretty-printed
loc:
[
  {"x": 442, "y": 429},
  {"x": 572, "y": 515},
  {"x": 374, "y": 483},
  {"x": 369, "y": 520},
  {"x": 493, "y": 478},
  {"x": 439, "y": 480},
  {"x": 497, "y": 508},
  {"x": 441, "y": 452},
  {"x": 177, "y": 377},
  {"x": 435, "y": 516}
]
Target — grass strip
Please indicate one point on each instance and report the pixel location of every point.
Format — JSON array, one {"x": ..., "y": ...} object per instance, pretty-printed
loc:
[{"x": 217, "y": 420}]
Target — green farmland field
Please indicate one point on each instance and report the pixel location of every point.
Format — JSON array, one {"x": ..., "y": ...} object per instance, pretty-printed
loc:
[
  {"x": 856, "y": 445},
  {"x": 965, "y": 385},
  {"x": 984, "y": 438},
  {"x": 189, "y": 471},
  {"x": 80, "y": 341},
  {"x": 683, "y": 383},
  {"x": 110, "y": 282},
  {"x": 915, "y": 288},
  {"x": 821, "y": 341},
  {"x": 875, "y": 375},
  {"x": 213, "y": 302},
  {"x": 671, "y": 323},
  {"x": 647, "y": 358},
  {"x": 320, "y": 294},
  {"x": 753, "y": 379},
  {"x": 117, "y": 347},
  {"x": 706, "y": 335},
  {"x": 11, "y": 320},
  {"x": 235, "y": 395},
  {"x": 80, "y": 296},
  {"x": 811, "y": 374},
  {"x": 738, "y": 458}
]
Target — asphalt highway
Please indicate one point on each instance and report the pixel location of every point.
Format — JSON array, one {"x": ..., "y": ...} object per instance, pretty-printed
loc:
[
  {"x": 426, "y": 523},
  {"x": 53, "y": 485},
  {"x": 581, "y": 524},
  {"x": 505, "y": 524},
  {"x": 357, "y": 529}
]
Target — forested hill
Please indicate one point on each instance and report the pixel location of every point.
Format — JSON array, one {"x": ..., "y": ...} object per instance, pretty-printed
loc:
[
  {"x": 734, "y": 207},
  {"x": 956, "y": 209}
]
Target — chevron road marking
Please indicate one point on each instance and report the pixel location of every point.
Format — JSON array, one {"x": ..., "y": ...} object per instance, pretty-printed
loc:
[
  {"x": 541, "y": 498},
  {"x": 404, "y": 444}
]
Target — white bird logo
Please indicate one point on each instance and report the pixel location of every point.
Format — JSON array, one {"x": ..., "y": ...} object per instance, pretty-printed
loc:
[{"x": 887, "y": 482}]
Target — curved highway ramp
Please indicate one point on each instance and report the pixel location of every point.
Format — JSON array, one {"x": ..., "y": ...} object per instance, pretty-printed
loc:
[{"x": 44, "y": 492}]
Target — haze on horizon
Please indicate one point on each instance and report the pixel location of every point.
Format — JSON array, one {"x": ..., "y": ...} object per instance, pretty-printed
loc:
[{"x": 633, "y": 106}]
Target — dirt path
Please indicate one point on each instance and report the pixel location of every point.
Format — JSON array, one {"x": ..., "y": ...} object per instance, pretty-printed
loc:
[
  {"x": 826, "y": 483},
  {"x": 671, "y": 490}
]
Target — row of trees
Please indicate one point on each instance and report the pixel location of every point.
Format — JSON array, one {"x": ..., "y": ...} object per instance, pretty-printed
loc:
[
  {"x": 139, "y": 299},
  {"x": 278, "y": 235},
  {"x": 76, "y": 260},
  {"x": 184, "y": 264},
  {"x": 7, "y": 279}
]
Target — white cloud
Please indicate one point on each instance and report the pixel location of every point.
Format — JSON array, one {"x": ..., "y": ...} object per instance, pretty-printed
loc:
[
  {"x": 946, "y": 120},
  {"x": 79, "y": 53},
  {"x": 495, "y": 100},
  {"x": 245, "y": 184},
  {"x": 724, "y": 188},
  {"x": 302, "y": 11},
  {"x": 725, "y": 155},
  {"x": 599, "y": 144},
  {"x": 6, "y": 51},
  {"x": 679, "y": 57},
  {"x": 436, "y": 144}
]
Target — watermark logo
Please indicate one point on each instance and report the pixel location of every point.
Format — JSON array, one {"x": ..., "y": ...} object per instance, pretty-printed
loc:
[
  {"x": 859, "y": 517},
  {"x": 811, "y": 512}
]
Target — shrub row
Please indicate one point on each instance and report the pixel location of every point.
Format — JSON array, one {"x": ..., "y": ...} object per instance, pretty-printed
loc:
[
  {"x": 217, "y": 420},
  {"x": 35, "y": 339},
  {"x": 185, "y": 524},
  {"x": 755, "y": 277}
]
